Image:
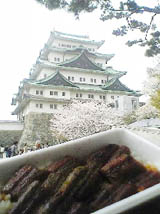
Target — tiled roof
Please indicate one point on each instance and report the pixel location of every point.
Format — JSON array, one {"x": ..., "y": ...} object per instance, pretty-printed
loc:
[
  {"x": 47, "y": 49},
  {"x": 82, "y": 61},
  {"x": 56, "y": 79},
  {"x": 115, "y": 85},
  {"x": 76, "y": 38}
]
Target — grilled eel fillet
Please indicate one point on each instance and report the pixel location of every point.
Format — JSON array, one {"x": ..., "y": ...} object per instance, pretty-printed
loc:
[
  {"x": 122, "y": 168},
  {"x": 19, "y": 175},
  {"x": 121, "y": 192},
  {"x": 20, "y": 188},
  {"x": 25, "y": 197},
  {"x": 109, "y": 175},
  {"x": 59, "y": 172},
  {"x": 79, "y": 208},
  {"x": 146, "y": 179},
  {"x": 95, "y": 161},
  {"x": 87, "y": 183},
  {"x": 104, "y": 192},
  {"x": 100, "y": 157},
  {"x": 66, "y": 188}
]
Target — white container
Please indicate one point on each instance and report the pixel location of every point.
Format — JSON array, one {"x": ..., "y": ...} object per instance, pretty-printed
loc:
[{"x": 141, "y": 149}]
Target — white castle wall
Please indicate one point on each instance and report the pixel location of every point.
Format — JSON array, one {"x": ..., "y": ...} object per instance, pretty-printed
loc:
[
  {"x": 10, "y": 125},
  {"x": 126, "y": 103},
  {"x": 73, "y": 44},
  {"x": 46, "y": 92},
  {"x": 45, "y": 72}
]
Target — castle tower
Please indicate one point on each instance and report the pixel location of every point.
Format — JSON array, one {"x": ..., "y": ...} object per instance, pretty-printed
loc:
[{"x": 70, "y": 67}]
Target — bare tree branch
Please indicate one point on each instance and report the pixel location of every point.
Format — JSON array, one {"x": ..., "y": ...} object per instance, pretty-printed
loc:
[{"x": 150, "y": 26}]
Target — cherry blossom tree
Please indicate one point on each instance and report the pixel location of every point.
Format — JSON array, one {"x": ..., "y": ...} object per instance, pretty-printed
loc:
[
  {"x": 83, "y": 118},
  {"x": 152, "y": 85},
  {"x": 146, "y": 112}
]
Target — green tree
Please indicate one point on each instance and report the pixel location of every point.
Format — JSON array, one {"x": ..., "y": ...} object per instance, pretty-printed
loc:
[
  {"x": 129, "y": 10},
  {"x": 155, "y": 100}
]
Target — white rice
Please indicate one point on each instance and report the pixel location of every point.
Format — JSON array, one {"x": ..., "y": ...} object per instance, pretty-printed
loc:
[{"x": 5, "y": 204}]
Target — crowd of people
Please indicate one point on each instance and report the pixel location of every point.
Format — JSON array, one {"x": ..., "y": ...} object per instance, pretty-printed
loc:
[{"x": 13, "y": 150}]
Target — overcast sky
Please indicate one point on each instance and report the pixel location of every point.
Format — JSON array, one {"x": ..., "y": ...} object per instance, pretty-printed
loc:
[{"x": 25, "y": 27}]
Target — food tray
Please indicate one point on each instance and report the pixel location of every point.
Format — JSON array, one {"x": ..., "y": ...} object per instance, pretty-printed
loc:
[{"x": 141, "y": 149}]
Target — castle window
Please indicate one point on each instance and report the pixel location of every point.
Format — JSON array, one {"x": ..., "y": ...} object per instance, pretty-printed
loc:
[
  {"x": 104, "y": 97},
  {"x": 41, "y": 105},
  {"x": 69, "y": 78},
  {"x": 41, "y": 92},
  {"x": 51, "y": 92},
  {"x": 134, "y": 104},
  {"x": 55, "y": 93},
  {"x": 80, "y": 79},
  {"x": 94, "y": 80},
  {"x": 55, "y": 106},
  {"x": 91, "y": 79},
  {"x": 90, "y": 96},
  {"x": 112, "y": 97},
  {"x": 72, "y": 78},
  {"x": 76, "y": 95},
  {"x": 36, "y": 105},
  {"x": 116, "y": 104},
  {"x": 63, "y": 93},
  {"x": 103, "y": 81},
  {"x": 100, "y": 96},
  {"x": 80, "y": 95},
  {"x": 37, "y": 92},
  {"x": 51, "y": 106},
  {"x": 84, "y": 79},
  {"x": 56, "y": 59}
]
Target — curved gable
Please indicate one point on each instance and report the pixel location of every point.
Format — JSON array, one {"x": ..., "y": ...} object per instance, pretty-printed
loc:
[
  {"x": 58, "y": 80},
  {"x": 82, "y": 61},
  {"x": 116, "y": 85}
]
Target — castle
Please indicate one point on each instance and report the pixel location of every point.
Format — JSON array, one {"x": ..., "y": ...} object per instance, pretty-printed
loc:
[{"x": 70, "y": 67}]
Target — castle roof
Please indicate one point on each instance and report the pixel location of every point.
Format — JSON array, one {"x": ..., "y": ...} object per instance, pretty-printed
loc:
[
  {"x": 83, "y": 39},
  {"x": 113, "y": 85},
  {"x": 47, "y": 49},
  {"x": 81, "y": 61},
  {"x": 116, "y": 85},
  {"x": 45, "y": 64},
  {"x": 56, "y": 79}
]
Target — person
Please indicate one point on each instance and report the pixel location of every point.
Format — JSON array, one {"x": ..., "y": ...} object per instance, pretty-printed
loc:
[
  {"x": 38, "y": 145},
  {"x": 13, "y": 149},
  {"x": 25, "y": 148},
  {"x": 7, "y": 151},
  {"x": 21, "y": 151},
  {"x": 47, "y": 144}
]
